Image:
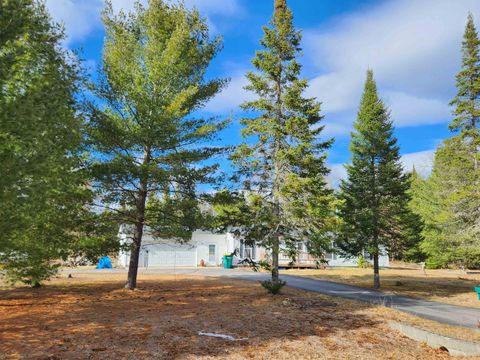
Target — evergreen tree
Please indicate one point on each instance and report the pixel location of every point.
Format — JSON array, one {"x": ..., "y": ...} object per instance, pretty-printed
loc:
[
  {"x": 375, "y": 203},
  {"x": 450, "y": 200},
  {"x": 281, "y": 165},
  {"x": 144, "y": 130},
  {"x": 42, "y": 187},
  {"x": 467, "y": 102},
  {"x": 465, "y": 149}
]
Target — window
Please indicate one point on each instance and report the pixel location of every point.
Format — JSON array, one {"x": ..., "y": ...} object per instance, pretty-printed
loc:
[
  {"x": 247, "y": 250},
  {"x": 330, "y": 256},
  {"x": 333, "y": 254},
  {"x": 211, "y": 254}
]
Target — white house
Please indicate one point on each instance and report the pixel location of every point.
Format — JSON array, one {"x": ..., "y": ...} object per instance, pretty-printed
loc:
[{"x": 207, "y": 248}]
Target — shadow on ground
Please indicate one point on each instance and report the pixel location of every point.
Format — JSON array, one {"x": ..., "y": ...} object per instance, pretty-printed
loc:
[{"x": 161, "y": 320}]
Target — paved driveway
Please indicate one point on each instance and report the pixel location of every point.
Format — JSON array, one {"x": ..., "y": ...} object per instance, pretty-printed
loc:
[{"x": 440, "y": 312}]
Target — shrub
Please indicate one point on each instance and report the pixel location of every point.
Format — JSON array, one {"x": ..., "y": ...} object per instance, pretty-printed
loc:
[
  {"x": 273, "y": 287},
  {"x": 27, "y": 268},
  {"x": 362, "y": 263}
]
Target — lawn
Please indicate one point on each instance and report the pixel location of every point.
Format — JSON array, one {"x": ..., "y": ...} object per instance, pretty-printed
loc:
[
  {"x": 448, "y": 286},
  {"x": 92, "y": 317}
]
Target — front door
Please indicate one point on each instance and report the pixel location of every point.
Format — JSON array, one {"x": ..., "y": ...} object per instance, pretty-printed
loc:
[{"x": 212, "y": 256}]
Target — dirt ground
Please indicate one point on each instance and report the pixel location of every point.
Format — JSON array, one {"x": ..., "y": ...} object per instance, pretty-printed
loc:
[
  {"x": 448, "y": 286},
  {"x": 91, "y": 317}
]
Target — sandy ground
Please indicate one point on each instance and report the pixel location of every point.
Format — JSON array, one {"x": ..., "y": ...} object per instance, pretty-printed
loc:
[
  {"x": 448, "y": 286},
  {"x": 93, "y": 317}
]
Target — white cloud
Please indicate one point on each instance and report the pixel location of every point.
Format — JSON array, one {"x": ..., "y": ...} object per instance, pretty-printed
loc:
[
  {"x": 413, "y": 48},
  {"x": 422, "y": 161},
  {"x": 232, "y": 96},
  {"x": 82, "y": 17},
  {"x": 337, "y": 173},
  {"x": 410, "y": 110}
]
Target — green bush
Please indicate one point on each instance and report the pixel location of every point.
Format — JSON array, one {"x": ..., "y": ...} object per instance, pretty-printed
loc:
[
  {"x": 273, "y": 287},
  {"x": 28, "y": 269},
  {"x": 362, "y": 263}
]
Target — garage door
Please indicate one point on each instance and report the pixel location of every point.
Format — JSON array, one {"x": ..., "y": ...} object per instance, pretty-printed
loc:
[{"x": 170, "y": 255}]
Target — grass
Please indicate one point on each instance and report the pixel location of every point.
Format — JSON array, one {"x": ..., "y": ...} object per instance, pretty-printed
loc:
[
  {"x": 448, "y": 286},
  {"x": 92, "y": 316}
]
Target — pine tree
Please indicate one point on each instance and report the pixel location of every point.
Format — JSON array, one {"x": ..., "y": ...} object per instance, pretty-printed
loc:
[
  {"x": 282, "y": 162},
  {"x": 375, "y": 203},
  {"x": 467, "y": 101},
  {"x": 144, "y": 129},
  {"x": 433, "y": 200},
  {"x": 450, "y": 200},
  {"x": 42, "y": 187},
  {"x": 410, "y": 244},
  {"x": 465, "y": 149}
]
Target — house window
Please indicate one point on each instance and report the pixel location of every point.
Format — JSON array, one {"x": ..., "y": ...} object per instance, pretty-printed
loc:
[
  {"x": 330, "y": 256},
  {"x": 247, "y": 250},
  {"x": 211, "y": 253}
]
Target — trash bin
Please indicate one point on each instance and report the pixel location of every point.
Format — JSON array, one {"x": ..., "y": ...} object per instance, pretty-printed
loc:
[
  {"x": 477, "y": 290},
  {"x": 227, "y": 261}
]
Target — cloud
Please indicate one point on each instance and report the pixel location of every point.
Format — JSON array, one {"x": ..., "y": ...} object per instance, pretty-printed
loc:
[
  {"x": 413, "y": 48},
  {"x": 232, "y": 96},
  {"x": 82, "y": 17},
  {"x": 410, "y": 110},
  {"x": 422, "y": 161},
  {"x": 337, "y": 173}
]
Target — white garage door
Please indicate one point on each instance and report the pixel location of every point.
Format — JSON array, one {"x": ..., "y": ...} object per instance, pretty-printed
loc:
[{"x": 170, "y": 255}]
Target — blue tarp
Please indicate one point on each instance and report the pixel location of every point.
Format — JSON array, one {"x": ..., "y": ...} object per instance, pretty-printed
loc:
[{"x": 104, "y": 263}]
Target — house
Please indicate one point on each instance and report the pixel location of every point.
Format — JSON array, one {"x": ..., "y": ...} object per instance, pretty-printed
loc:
[{"x": 208, "y": 248}]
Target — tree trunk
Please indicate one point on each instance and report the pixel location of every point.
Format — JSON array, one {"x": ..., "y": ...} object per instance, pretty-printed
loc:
[
  {"x": 275, "y": 251},
  {"x": 138, "y": 232},
  {"x": 134, "y": 257},
  {"x": 376, "y": 272}
]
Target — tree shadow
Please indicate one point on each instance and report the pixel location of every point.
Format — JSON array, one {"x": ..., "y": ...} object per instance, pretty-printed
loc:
[{"x": 163, "y": 319}]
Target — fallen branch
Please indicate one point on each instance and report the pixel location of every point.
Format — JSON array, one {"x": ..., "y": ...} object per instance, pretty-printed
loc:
[{"x": 221, "y": 336}]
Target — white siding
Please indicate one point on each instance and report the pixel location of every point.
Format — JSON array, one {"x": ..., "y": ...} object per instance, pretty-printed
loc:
[
  {"x": 203, "y": 240},
  {"x": 169, "y": 253}
]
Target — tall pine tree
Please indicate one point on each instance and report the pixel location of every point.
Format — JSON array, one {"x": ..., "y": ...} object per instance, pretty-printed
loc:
[
  {"x": 144, "y": 129},
  {"x": 42, "y": 187},
  {"x": 282, "y": 162},
  {"x": 450, "y": 200},
  {"x": 467, "y": 102},
  {"x": 375, "y": 202},
  {"x": 465, "y": 147}
]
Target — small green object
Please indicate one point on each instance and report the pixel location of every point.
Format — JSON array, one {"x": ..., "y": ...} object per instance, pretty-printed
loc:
[
  {"x": 477, "y": 289},
  {"x": 227, "y": 261}
]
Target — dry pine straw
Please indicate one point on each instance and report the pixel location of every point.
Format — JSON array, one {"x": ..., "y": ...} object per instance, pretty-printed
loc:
[{"x": 85, "y": 318}]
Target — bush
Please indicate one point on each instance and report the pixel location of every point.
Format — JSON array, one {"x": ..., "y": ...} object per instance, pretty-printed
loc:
[
  {"x": 273, "y": 287},
  {"x": 27, "y": 268},
  {"x": 362, "y": 263}
]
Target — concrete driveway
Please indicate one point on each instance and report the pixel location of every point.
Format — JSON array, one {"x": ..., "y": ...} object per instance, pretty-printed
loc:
[{"x": 431, "y": 310}]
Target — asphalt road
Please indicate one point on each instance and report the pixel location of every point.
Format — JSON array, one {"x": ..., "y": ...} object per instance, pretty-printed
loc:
[{"x": 431, "y": 310}]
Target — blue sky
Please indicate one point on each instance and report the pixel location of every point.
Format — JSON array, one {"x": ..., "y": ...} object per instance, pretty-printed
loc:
[{"x": 413, "y": 47}]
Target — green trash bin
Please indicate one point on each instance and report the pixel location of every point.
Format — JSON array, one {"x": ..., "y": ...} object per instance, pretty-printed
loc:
[
  {"x": 477, "y": 290},
  {"x": 227, "y": 261}
]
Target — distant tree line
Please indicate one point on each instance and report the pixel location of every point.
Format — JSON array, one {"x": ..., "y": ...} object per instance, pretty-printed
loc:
[{"x": 79, "y": 158}]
